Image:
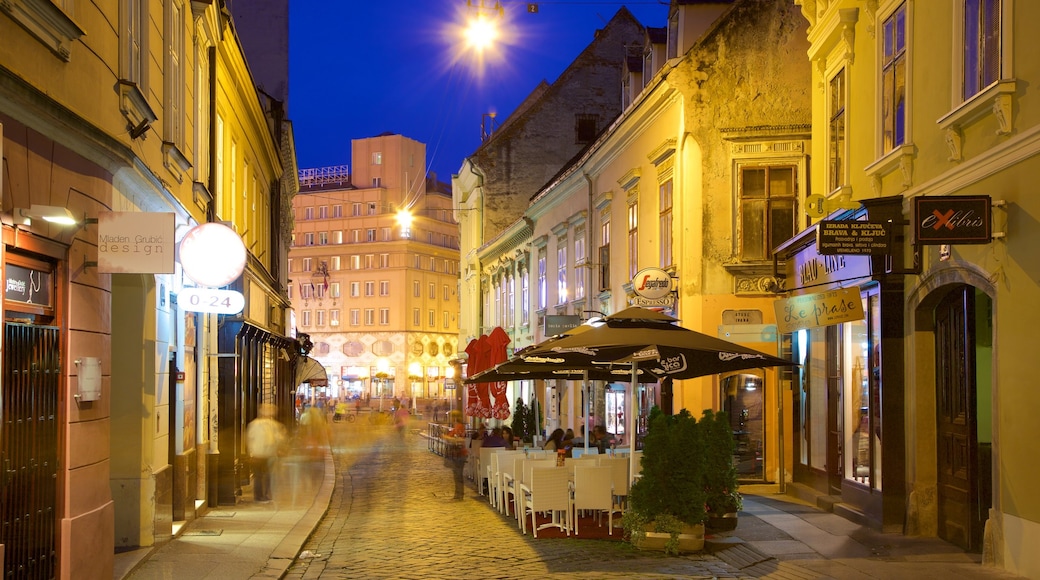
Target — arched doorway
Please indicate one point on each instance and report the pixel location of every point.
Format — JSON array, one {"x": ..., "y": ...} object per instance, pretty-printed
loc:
[{"x": 963, "y": 351}]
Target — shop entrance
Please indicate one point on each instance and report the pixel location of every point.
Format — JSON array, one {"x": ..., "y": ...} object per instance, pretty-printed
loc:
[
  {"x": 964, "y": 464},
  {"x": 29, "y": 403}
]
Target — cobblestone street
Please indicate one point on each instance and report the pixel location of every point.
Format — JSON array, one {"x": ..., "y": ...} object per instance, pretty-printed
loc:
[{"x": 392, "y": 515}]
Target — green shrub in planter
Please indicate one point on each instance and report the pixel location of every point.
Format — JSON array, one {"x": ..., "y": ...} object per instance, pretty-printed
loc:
[{"x": 720, "y": 475}]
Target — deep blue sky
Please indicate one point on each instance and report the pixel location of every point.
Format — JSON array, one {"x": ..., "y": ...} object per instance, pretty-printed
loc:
[{"x": 359, "y": 68}]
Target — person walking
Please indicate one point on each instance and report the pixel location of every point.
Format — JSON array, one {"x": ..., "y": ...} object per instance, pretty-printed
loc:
[{"x": 264, "y": 438}]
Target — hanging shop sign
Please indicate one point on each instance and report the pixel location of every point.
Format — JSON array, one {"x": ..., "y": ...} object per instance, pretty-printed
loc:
[
  {"x": 820, "y": 309},
  {"x": 560, "y": 323},
  {"x": 653, "y": 288},
  {"x": 132, "y": 242},
  {"x": 958, "y": 219},
  {"x": 853, "y": 237},
  {"x": 212, "y": 255},
  {"x": 211, "y": 300}
]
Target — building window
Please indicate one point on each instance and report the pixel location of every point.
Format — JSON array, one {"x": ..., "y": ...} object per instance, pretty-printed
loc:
[
  {"x": 384, "y": 260},
  {"x": 416, "y": 317},
  {"x": 337, "y": 236},
  {"x": 893, "y": 80},
  {"x": 373, "y": 209},
  {"x": 981, "y": 45},
  {"x": 355, "y": 210},
  {"x": 433, "y": 291},
  {"x": 384, "y": 287},
  {"x": 370, "y": 316},
  {"x": 306, "y": 318},
  {"x": 370, "y": 289},
  {"x": 561, "y": 271},
  {"x": 323, "y": 212},
  {"x": 308, "y": 264},
  {"x": 525, "y": 297},
  {"x": 385, "y": 234},
  {"x": 633, "y": 241},
  {"x": 355, "y": 317},
  {"x": 174, "y": 75},
  {"x": 542, "y": 282},
  {"x": 370, "y": 235},
  {"x": 334, "y": 263},
  {"x": 334, "y": 290},
  {"x": 319, "y": 317},
  {"x": 579, "y": 263},
  {"x": 767, "y": 204},
  {"x": 355, "y": 262},
  {"x": 384, "y": 316},
  {"x": 585, "y": 127},
  {"x": 665, "y": 222},
  {"x": 308, "y": 239},
  {"x": 433, "y": 318},
  {"x": 333, "y": 317},
  {"x": 447, "y": 293},
  {"x": 355, "y": 289},
  {"x": 604, "y": 252},
  {"x": 337, "y": 211},
  {"x": 416, "y": 289},
  {"x": 447, "y": 320},
  {"x": 308, "y": 213},
  {"x": 377, "y": 158},
  {"x": 836, "y": 133},
  {"x": 135, "y": 44},
  {"x": 323, "y": 238},
  {"x": 370, "y": 261},
  {"x": 510, "y": 305}
]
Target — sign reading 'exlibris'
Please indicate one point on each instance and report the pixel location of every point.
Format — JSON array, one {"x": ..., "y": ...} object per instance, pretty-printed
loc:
[{"x": 955, "y": 219}]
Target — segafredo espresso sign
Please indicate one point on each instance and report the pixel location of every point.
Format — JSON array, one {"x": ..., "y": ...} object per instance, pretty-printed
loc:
[{"x": 653, "y": 287}]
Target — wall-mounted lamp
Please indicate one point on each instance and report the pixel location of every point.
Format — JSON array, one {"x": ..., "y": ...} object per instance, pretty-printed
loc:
[
  {"x": 61, "y": 216},
  {"x": 89, "y": 379}
]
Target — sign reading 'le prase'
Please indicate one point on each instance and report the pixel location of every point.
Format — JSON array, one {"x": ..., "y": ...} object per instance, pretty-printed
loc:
[{"x": 959, "y": 219}]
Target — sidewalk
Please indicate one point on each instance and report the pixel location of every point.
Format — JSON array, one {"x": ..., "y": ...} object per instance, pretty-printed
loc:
[
  {"x": 247, "y": 540},
  {"x": 778, "y": 536}
]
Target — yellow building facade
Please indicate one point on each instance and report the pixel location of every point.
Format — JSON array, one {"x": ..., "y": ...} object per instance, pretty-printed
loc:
[
  {"x": 922, "y": 123},
  {"x": 101, "y": 120}
]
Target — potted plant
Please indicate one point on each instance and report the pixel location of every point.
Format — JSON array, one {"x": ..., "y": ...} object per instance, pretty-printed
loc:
[
  {"x": 722, "y": 499},
  {"x": 667, "y": 503}
]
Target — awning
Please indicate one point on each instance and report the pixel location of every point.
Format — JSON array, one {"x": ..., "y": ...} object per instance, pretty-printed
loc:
[{"x": 309, "y": 370}]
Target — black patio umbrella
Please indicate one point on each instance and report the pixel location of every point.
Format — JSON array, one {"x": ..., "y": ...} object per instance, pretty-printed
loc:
[{"x": 646, "y": 345}]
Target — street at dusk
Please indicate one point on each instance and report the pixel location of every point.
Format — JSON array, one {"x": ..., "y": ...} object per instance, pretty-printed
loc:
[{"x": 503, "y": 289}]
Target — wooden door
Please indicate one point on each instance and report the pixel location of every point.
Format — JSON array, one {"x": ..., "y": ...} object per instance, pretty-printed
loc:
[{"x": 956, "y": 436}]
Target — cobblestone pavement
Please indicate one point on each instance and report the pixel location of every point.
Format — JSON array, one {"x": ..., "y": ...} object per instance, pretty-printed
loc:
[{"x": 393, "y": 515}]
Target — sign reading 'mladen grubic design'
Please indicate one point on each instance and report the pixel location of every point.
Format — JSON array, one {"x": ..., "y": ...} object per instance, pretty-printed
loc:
[
  {"x": 820, "y": 309},
  {"x": 955, "y": 219},
  {"x": 136, "y": 242}
]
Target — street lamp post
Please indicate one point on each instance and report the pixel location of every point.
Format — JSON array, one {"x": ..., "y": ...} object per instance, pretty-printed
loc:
[
  {"x": 382, "y": 373},
  {"x": 415, "y": 377}
]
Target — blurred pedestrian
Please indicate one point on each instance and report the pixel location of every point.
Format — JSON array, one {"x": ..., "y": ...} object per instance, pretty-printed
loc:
[{"x": 265, "y": 437}]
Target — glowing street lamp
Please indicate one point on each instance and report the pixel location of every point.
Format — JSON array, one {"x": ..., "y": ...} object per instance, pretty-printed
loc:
[{"x": 481, "y": 32}]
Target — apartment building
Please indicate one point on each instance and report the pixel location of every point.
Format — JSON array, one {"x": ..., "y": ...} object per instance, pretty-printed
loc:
[{"x": 374, "y": 274}]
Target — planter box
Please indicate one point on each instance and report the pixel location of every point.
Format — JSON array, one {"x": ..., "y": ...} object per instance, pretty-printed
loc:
[
  {"x": 692, "y": 540},
  {"x": 725, "y": 523}
]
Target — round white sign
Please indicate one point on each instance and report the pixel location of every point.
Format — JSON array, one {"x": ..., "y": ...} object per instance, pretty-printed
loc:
[
  {"x": 652, "y": 283},
  {"x": 212, "y": 255}
]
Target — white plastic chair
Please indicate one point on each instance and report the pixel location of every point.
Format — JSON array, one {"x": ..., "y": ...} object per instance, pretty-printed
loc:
[
  {"x": 592, "y": 491},
  {"x": 507, "y": 483},
  {"x": 483, "y": 465},
  {"x": 618, "y": 479},
  {"x": 523, "y": 476},
  {"x": 547, "y": 491},
  {"x": 498, "y": 458}
]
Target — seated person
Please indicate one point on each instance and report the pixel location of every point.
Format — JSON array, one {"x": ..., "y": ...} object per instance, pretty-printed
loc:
[
  {"x": 495, "y": 439},
  {"x": 603, "y": 439}
]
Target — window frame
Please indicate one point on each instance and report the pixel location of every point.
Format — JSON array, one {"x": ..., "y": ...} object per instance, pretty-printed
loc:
[{"x": 767, "y": 199}]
